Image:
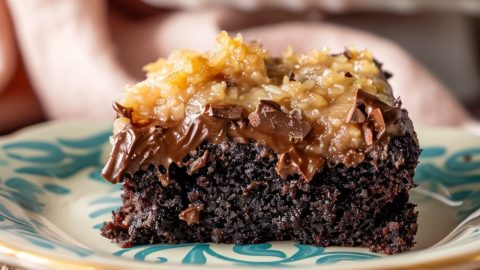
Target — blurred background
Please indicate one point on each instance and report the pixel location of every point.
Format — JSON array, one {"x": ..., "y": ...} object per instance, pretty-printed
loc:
[{"x": 45, "y": 73}]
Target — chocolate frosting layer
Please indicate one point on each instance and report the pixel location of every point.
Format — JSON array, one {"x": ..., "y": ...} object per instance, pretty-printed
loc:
[{"x": 286, "y": 133}]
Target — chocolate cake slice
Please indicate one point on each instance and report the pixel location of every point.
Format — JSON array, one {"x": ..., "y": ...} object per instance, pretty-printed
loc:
[{"x": 236, "y": 146}]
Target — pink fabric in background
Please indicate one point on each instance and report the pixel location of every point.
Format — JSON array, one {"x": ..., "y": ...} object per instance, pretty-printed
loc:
[
  {"x": 79, "y": 57},
  {"x": 8, "y": 53}
]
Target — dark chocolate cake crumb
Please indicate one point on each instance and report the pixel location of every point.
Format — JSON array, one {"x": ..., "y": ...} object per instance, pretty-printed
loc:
[{"x": 237, "y": 197}]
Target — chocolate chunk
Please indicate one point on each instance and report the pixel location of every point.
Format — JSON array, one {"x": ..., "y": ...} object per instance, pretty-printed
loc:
[
  {"x": 387, "y": 75},
  {"x": 378, "y": 64},
  {"x": 254, "y": 185},
  {"x": 191, "y": 215},
  {"x": 381, "y": 118},
  {"x": 163, "y": 178},
  {"x": 285, "y": 166},
  {"x": 353, "y": 157},
  {"x": 367, "y": 134},
  {"x": 378, "y": 121},
  {"x": 265, "y": 152},
  {"x": 399, "y": 162},
  {"x": 291, "y": 77},
  {"x": 122, "y": 111},
  {"x": 356, "y": 116},
  {"x": 228, "y": 111},
  {"x": 271, "y": 120},
  {"x": 198, "y": 163},
  {"x": 348, "y": 74}
]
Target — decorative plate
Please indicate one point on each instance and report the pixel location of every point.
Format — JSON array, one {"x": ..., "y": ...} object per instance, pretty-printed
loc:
[{"x": 53, "y": 202}]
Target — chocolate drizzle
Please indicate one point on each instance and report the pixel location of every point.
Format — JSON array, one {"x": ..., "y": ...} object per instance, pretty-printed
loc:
[
  {"x": 286, "y": 133},
  {"x": 293, "y": 161}
]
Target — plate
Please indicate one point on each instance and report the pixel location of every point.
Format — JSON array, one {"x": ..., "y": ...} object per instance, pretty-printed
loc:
[{"x": 53, "y": 202}]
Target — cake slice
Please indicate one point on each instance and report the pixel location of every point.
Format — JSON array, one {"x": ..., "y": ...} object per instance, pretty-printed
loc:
[{"x": 237, "y": 146}]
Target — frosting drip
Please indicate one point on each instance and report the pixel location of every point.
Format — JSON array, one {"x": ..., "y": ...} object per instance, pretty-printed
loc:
[{"x": 302, "y": 147}]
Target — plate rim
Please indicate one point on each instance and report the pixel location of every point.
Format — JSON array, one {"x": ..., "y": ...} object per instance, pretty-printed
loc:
[
  {"x": 20, "y": 256},
  {"x": 29, "y": 258}
]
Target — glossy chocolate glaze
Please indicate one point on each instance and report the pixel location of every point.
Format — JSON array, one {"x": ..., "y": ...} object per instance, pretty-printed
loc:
[{"x": 286, "y": 133}]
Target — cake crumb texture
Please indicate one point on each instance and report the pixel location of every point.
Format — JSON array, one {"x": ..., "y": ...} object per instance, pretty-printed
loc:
[{"x": 237, "y": 197}]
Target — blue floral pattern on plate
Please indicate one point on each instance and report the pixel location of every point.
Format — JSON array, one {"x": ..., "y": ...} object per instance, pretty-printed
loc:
[{"x": 41, "y": 170}]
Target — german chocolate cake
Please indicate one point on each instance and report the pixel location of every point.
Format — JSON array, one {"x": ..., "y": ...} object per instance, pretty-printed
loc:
[{"x": 237, "y": 146}]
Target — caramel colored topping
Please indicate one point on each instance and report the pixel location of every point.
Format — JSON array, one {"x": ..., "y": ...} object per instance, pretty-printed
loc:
[
  {"x": 236, "y": 72},
  {"x": 311, "y": 110}
]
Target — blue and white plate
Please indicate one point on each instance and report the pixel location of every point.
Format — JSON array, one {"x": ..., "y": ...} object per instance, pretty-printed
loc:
[{"x": 53, "y": 202}]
